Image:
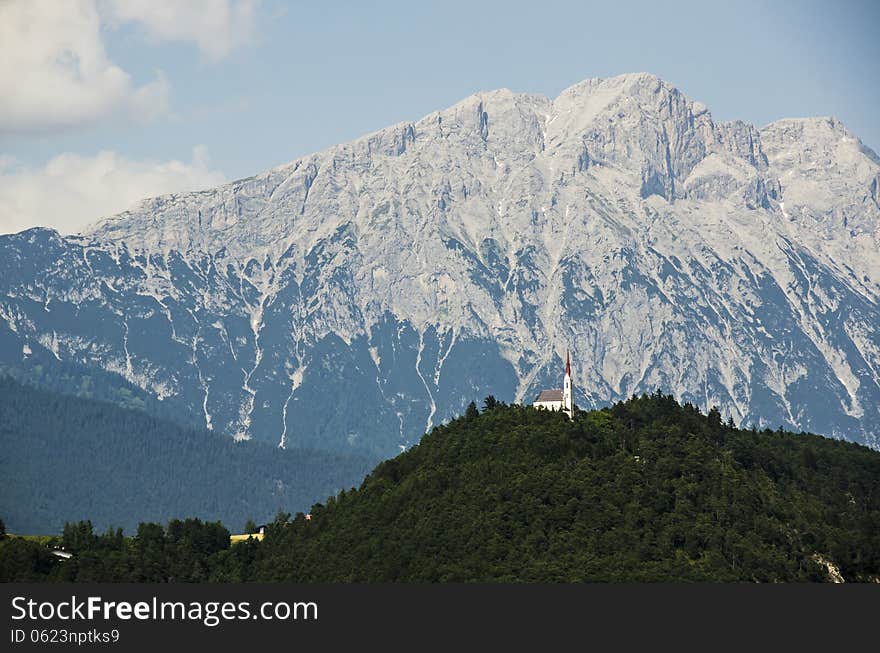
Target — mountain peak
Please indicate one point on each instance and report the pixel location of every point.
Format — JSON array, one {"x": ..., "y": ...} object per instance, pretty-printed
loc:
[
  {"x": 619, "y": 220},
  {"x": 498, "y": 119},
  {"x": 624, "y": 82},
  {"x": 823, "y": 145},
  {"x": 641, "y": 86},
  {"x": 812, "y": 126}
]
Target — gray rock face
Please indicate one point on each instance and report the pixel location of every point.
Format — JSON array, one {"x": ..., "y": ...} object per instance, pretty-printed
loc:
[{"x": 356, "y": 297}]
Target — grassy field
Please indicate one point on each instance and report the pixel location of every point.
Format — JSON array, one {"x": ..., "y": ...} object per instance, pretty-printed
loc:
[
  {"x": 54, "y": 540},
  {"x": 242, "y": 538},
  {"x": 46, "y": 540}
]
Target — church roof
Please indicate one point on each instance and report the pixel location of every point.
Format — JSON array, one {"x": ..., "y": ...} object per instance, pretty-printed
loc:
[{"x": 550, "y": 395}]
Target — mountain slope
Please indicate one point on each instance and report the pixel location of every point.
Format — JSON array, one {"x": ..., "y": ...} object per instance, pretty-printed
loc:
[
  {"x": 63, "y": 458},
  {"x": 644, "y": 491},
  {"x": 460, "y": 255},
  {"x": 40, "y": 369}
]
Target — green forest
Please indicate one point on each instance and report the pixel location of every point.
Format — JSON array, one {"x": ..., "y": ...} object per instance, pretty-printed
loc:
[
  {"x": 71, "y": 379},
  {"x": 66, "y": 458},
  {"x": 646, "y": 490}
]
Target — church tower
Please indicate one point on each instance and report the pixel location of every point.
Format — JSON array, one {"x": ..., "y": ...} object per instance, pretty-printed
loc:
[
  {"x": 559, "y": 399},
  {"x": 567, "y": 403}
]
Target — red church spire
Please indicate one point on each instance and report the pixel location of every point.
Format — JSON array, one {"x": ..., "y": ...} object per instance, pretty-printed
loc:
[{"x": 567, "y": 364}]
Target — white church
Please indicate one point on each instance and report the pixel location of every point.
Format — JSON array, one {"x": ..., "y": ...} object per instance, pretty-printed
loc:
[{"x": 558, "y": 399}]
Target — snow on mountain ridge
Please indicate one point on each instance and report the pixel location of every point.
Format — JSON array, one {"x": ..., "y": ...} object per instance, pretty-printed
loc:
[
  {"x": 388, "y": 141},
  {"x": 720, "y": 262},
  {"x": 179, "y": 226}
]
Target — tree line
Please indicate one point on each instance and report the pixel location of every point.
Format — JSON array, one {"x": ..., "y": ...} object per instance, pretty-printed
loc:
[
  {"x": 65, "y": 458},
  {"x": 646, "y": 490}
]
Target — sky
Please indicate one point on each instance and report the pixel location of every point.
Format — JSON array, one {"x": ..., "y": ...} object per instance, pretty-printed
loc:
[{"x": 106, "y": 102}]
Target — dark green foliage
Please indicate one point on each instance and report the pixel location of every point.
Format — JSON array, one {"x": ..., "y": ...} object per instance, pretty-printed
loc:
[
  {"x": 67, "y": 378},
  {"x": 714, "y": 417},
  {"x": 646, "y": 490},
  {"x": 64, "y": 458},
  {"x": 24, "y": 561},
  {"x": 78, "y": 537},
  {"x": 184, "y": 551}
]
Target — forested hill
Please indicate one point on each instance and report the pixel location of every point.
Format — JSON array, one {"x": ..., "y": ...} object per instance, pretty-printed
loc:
[
  {"x": 644, "y": 491},
  {"x": 65, "y": 458}
]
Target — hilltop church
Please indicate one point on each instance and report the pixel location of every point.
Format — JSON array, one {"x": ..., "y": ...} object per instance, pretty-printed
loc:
[{"x": 558, "y": 399}]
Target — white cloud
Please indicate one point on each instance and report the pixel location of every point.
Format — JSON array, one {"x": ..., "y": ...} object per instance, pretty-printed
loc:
[
  {"x": 55, "y": 73},
  {"x": 71, "y": 191},
  {"x": 217, "y": 27}
]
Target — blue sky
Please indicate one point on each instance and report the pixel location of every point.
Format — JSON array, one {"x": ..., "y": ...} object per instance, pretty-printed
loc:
[{"x": 220, "y": 89}]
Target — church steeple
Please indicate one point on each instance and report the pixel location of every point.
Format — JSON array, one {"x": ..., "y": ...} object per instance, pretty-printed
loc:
[
  {"x": 559, "y": 399},
  {"x": 567, "y": 390}
]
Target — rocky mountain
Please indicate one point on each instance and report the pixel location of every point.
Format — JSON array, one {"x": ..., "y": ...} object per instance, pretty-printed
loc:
[{"x": 353, "y": 298}]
